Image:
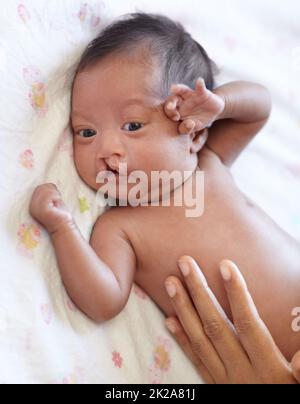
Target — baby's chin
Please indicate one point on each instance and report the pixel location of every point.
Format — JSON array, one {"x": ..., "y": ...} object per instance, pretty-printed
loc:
[{"x": 125, "y": 196}]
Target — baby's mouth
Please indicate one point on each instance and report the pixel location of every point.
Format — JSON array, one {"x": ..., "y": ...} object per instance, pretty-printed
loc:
[{"x": 110, "y": 171}]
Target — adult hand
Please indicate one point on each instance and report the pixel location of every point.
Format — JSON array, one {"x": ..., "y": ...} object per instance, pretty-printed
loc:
[
  {"x": 223, "y": 353},
  {"x": 296, "y": 367}
]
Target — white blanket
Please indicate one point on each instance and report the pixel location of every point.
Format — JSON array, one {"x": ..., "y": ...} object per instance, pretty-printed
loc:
[{"x": 43, "y": 338}]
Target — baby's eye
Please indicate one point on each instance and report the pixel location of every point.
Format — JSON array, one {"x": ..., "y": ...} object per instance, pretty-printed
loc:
[
  {"x": 86, "y": 133},
  {"x": 133, "y": 126}
]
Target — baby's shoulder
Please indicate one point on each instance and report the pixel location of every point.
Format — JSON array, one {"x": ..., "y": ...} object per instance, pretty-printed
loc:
[
  {"x": 208, "y": 158},
  {"x": 217, "y": 176},
  {"x": 114, "y": 219},
  {"x": 210, "y": 162},
  {"x": 113, "y": 214}
]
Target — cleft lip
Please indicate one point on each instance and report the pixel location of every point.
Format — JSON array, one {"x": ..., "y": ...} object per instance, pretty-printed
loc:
[{"x": 112, "y": 169}]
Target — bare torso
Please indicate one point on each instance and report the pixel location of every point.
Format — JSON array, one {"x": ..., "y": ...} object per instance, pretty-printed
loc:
[{"x": 231, "y": 227}]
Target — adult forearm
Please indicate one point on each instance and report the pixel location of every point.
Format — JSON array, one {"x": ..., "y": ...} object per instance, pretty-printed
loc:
[
  {"x": 245, "y": 101},
  {"x": 89, "y": 281}
]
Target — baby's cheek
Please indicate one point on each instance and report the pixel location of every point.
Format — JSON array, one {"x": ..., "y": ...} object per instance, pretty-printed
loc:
[{"x": 82, "y": 163}]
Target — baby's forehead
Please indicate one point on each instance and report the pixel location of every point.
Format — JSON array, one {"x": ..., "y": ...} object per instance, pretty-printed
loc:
[
  {"x": 121, "y": 74},
  {"x": 126, "y": 96}
]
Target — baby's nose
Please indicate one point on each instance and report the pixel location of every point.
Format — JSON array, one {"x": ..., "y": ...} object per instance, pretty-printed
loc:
[{"x": 110, "y": 148}]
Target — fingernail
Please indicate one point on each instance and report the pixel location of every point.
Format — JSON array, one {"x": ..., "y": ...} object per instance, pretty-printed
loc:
[
  {"x": 171, "y": 289},
  {"x": 225, "y": 271},
  {"x": 171, "y": 326},
  {"x": 170, "y": 106},
  {"x": 184, "y": 267}
]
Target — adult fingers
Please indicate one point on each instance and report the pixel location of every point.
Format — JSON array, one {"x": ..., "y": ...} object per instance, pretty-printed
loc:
[
  {"x": 183, "y": 341},
  {"x": 215, "y": 322},
  {"x": 253, "y": 333},
  {"x": 191, "y": 323},
  {"x": 296, "y": 367}
]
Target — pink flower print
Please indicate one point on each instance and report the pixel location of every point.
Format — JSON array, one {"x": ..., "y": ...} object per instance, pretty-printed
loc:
[
  {"x": 29, "y": 236},
  {"x": 76, "y": 377},
  {"x": 32, "y": 75},
  {"x": 26, "y": 159},
  {"x": 46, "y": 313},
  {"x": 86, "y": 15},
  {"x": 37, "y": 98},
  {"x": 83, "y": 12},
  {"x": 37, "y": 94},
  {"x": 161, "y": 360},
  {"x": 155, "y": 374},
  {"x": 117, "y": 359},
  {"x": 95, "y": 20},
  {"x": 23, "y": 13}
]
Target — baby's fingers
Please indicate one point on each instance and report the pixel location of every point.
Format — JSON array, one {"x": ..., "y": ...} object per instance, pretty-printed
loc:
[
  {"x": 171, "y": 107},
  {"x": 189, "y": 126},
  {"x": 182, "y": 90},
  {"x": 186, "y": 127},
  {"x": 201, "y": 86}
]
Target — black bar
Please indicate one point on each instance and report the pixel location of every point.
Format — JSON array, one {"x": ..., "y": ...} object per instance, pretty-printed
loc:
[{"x": 141, "y": 392}]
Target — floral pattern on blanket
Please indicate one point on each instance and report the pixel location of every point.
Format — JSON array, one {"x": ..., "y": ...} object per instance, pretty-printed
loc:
[
  {"x": 37, "y": 89},
  {"x": 26, "y": 159},
  {"x": 29, "y": 238},
  {"x": 160, "y": 361},
  {"x": 69, "y": 345}
]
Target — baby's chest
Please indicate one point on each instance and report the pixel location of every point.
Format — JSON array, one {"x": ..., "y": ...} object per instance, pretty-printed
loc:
[{"x": 158, "y": 249}]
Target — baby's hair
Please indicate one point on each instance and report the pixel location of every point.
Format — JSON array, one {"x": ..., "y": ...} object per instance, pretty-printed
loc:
[{"x": 181, "y": 59}]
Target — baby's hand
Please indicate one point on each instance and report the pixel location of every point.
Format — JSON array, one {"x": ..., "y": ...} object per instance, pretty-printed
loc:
[
  {"x": 197, "y": 109},
  {"x": 48, "y": 208}
]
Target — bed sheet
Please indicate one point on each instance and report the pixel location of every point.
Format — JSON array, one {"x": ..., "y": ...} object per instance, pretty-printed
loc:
[{"x": 43, "y": 337}]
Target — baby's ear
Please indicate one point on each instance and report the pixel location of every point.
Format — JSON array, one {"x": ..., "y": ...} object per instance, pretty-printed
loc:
[{"x": 198, "y": 140}]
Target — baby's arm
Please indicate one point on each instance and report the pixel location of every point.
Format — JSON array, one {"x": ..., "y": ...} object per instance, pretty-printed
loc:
[
  {"x": 97, "y": 277},
  {"x": 235, "y": 113},
  {"x": 247, "y": 110}
]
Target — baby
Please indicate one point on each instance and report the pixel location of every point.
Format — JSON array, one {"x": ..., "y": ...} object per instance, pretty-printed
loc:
[{"x": 129, "y": 109}]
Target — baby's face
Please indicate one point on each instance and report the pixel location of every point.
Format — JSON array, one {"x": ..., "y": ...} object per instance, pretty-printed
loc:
[{"x": 115, "y": 120}]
